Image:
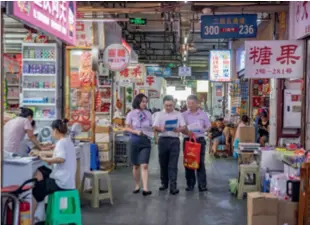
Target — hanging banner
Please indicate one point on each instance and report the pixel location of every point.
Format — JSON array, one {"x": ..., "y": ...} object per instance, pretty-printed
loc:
[
  {"x": 57, "y": 18},
  {"x": 274, "y": 59},
  {"x": 240, "y": 60},
  {"x": 158, "y": 71},
  {"x": 299, "y": 20},
  {"x": 133, "y": 73},
  {"x": 185, "y": 71},
  {"x": 220, "y": 65},
  {"x": 84, "y": 34},
  {"x": 228, "y": 26},
  {"x": 116, "y": 57}
]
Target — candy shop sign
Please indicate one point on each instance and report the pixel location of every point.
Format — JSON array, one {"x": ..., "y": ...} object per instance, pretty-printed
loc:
[
  {"x": 58, "y": 18},
  {"x": 116, "y": 57},
  {"x": 135, "y": 74},
  {"x": 274, "y": 59}
]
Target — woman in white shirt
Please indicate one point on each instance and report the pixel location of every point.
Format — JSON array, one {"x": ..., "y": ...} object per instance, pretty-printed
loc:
[{"x": 63, "y": 162}]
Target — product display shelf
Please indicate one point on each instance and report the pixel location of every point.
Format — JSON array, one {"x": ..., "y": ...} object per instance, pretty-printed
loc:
[
  {"x": 39, "y": 81},
  {"x": 104, "y": 97},
  {"x": 12, "y": 71}
]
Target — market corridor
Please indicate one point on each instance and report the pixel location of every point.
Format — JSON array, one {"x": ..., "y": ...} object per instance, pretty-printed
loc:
[{"x": 215, "y": 207}]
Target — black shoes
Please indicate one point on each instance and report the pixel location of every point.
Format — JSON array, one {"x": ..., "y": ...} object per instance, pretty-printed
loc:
[
  {"x": 203, "y": 189},
  {"x": 163, "y": 188},
  {"x": 136, "y": 191},
  {"x": 189, "y": 189},
  {"x": 146, "y": 193},
  {"x": 174, "y": 191}
]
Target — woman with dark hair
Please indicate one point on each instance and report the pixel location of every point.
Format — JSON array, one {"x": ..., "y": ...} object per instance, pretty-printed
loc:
[
  {"x": 139, "y": 125},
  {"x": 63, "y": 160},
  {"x": 15, "y": 130},
  {"x": 263, "y": 128}
]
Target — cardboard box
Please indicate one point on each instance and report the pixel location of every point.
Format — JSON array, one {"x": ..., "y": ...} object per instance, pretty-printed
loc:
[
  {"x": 263, "y": 206},
  {"x": 103, "y": 146},
  {"x": 264, "y": 220},
  {"x": 288, "y": 213},
  {"x": 100, "y": 129},
  {"x": 102, "y": 137},
  {"x": 247, "y": 134}
]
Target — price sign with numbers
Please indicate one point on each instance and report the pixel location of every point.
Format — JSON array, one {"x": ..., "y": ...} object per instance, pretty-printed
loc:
[{"x": 229, "y": 26}]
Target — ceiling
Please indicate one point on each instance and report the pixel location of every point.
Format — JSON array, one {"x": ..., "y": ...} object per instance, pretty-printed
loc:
[{"x": 172, "y": 32}]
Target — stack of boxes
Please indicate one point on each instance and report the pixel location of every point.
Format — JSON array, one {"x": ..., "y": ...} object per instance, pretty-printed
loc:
[
  {"x": 266, "y": 209},
  {"x": 103, "y": 138}
]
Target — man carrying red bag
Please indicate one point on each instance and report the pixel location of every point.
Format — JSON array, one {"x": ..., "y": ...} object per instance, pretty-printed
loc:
[{"x": 197, "y": 123}]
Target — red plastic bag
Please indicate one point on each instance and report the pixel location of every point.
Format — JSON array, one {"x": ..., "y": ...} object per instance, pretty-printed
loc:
[{"x": 192, "y": 154}]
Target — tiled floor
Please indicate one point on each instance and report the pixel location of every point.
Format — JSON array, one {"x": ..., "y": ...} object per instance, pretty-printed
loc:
[{"x": 216, "y": 207}]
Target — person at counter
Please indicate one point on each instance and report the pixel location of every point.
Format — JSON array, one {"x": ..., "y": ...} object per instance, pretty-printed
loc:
[
  {"x": 263, "y": 129},
  {"x": 15, "y": 130},
  {"x": 169, "y": 123},
  {"x": 63, "y": 161},
  {"x": 139, "y": 125}
]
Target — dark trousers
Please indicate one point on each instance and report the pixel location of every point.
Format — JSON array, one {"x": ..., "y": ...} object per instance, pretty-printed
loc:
[
  {"x": 201, "y": 172},
  {"x": 168, "y": 152}
]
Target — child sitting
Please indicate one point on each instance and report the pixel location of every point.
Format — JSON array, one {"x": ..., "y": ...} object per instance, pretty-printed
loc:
[{"x": 63, "y": 161}]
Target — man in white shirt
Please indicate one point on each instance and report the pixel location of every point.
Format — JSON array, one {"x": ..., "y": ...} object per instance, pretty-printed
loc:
[{"x": 169, "y": 123}]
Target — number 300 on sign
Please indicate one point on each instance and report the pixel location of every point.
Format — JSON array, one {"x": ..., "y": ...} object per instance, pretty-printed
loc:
[{"x": 212, "y": 30}]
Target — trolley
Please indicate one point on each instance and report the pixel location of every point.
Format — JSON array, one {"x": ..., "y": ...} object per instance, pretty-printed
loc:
[{"x": 121, "y": 149}]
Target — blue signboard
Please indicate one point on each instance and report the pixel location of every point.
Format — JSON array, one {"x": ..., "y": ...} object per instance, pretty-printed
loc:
[
  {"x": 229, "y": 26},
  {"x": 158, "y": 71}
]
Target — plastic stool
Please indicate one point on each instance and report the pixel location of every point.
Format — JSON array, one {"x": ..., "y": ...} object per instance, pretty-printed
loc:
[
  {"x": 242, "y": 187},
  {"x": 96, "y": 194},
  {"x": 71, "y": 215}
]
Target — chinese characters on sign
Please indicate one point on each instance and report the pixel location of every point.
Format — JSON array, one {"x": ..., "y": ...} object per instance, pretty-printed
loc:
[
  {"x": 274, "y": 59},
  {"x": 185, "y": 71},
  {"x": 228, "y": 26},
  {"x": 116, "y": 57},
  {"x": 220, "y": 65},
  {"x": 57, "y": 18},
  {"x": 299, "y": 25},
  {"x": 135, "y": 74},
  {"x": 84, "y": 33}
]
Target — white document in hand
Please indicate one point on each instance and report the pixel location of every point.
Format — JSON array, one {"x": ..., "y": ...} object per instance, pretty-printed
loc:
[{"x": 195, "y": 127}]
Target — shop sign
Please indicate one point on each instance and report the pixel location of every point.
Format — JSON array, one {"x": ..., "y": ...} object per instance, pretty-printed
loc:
[
  {"x": 220, "y": 65},
  {"x": 57, "y": 18},
  {"x": 240, "y": 59},
  {"x": 134, "y": 73},
  {"x": 152, "y": 93},
  {"x": 274, "y": 59},
  {"x": 158, "y": 71},
  {"x": 299, "y": 26},
  {"x": 180, "y": 88},
  {"x": 185, "y": 71},
  {"x": 228, "y": 26},
  {"x": 116, "y": 57},
  {"x": 84, "y": 33}
]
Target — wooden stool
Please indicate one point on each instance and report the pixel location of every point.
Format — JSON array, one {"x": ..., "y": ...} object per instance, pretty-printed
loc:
[
  {"x": 244, "y": 170},
  {"x": 96, "y": 194}
]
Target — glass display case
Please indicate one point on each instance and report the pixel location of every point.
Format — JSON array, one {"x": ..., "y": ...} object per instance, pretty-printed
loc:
[{"x": 80, "y": 92}]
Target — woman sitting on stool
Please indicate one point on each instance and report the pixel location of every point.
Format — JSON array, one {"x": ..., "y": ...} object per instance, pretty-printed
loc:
[{"x": 63, "y": 161}]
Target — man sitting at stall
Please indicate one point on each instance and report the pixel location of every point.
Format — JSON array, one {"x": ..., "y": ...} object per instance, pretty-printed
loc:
[{"x": 219, "y": 135}]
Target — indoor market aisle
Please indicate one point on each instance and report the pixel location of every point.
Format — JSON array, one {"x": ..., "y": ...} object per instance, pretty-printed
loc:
[{"x": 216, "y": 207}]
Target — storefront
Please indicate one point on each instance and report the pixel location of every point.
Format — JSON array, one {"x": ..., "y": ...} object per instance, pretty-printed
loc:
[
  {"x": 33, "y": 57},
  {"x": 299, "y": 28}
]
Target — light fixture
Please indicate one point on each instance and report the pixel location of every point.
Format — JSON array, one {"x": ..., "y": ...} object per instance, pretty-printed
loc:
[{"x": 185, "y": 40}]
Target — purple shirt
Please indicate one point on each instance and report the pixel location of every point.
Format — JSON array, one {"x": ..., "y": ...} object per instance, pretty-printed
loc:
[
  {"x": 140, "y": 120},
  {"x": 197, "y": 122}
]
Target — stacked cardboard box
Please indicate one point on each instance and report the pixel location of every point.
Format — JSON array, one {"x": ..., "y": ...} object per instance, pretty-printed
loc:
[
  {"x": 103, "y": 138},
  {"x": 266, "y": 209}
]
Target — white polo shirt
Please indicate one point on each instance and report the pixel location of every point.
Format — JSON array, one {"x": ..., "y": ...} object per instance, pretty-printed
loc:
[{"x": 161, "y": 119}]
